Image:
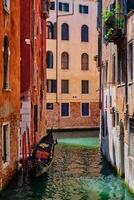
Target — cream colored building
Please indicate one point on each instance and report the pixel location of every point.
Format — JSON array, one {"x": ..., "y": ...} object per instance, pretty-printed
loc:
[{"x": 75, "y": 102}]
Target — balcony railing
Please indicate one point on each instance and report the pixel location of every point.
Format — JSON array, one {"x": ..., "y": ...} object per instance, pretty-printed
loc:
[{"x": 114, "y": 27}]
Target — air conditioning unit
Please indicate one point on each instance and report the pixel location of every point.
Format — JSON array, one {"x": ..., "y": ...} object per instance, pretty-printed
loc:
[{"x": 45, "y": 8}]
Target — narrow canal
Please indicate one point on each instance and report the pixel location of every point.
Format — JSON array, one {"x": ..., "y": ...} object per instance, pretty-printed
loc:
[{"x": 78, "y": 172}]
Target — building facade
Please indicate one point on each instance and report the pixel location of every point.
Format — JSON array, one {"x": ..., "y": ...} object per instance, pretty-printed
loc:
[
  {"x": 72, "y": 76},
  {"x": 33, "y": 68},
  {"x": 9, "y": 88},
  {"x": 115, "y": 62}
]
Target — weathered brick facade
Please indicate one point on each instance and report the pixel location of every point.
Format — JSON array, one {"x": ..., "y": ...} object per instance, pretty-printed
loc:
[
  {"x": 33, "y": 56},
  {"x": 9, "y": 95},
  {"x": 75, "y": 119}
]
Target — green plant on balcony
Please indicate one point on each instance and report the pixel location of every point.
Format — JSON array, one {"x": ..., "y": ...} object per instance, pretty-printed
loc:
[
  {"x": 108, "y": 33},
  {"x": 107, "y": 16}
]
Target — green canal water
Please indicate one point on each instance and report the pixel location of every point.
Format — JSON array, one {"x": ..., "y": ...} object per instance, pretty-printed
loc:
[{"x": 78, "y": 172}]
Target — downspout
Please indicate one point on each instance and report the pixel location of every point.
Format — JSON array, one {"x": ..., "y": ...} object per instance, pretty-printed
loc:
[{"x": 57, "y": 16}]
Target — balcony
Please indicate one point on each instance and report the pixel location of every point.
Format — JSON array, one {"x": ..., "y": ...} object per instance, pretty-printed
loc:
[{"x": 114, "y": 26}]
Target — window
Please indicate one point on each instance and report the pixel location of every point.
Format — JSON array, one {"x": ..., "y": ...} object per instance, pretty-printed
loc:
[
  {"x": 84, "y": 33},
  {"x": 64, "y": 86},
  {"x": 64, "y": 109},
  {"x": 64, "y": 7},
  {"x": 49, "y": 30},
  {"x": 83, "y": 9},
  {"x": 85, "y": 86},
  {"x": 6, "y": 5},
  {"x": 49, "y": 59},
  {"x": 64, "y": 31},
  {"x": 5, "y": 143},
  {"x": 121, "y": 66},
  {"x": 130, "y": 62},
  {"x": 105, "y": 72},
  {"x": 49, "y": 106},
  {"x": 113, "y": 69},
  {"x": 51, "y": 86},
  {"x": 64, "y": 60},
  {"x": 35, "y": 118},
  {"x": 52, "y": 5},
  {"x": 6, "y": 63},
  {"x": 85, "y": 109},
  {"x": 84, "y": 61}
]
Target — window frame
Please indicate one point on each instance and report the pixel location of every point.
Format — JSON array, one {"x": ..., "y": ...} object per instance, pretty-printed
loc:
[
  {"x": 51, "y": 83},
  {"x": 63, "y": 90},
  {"x": 84, "y": 33},
  {"x": 83, "y": 9},
  {"x": 6, "y": 7},
  {"x": 6, "y": 61},
  {"x": 130, "y": 64},
  {"x": 82, "y": 81},
  {"x": 6, "y": 163},
  {"x": 82, "y": 109},
  {"x": 63, "y": 7},
  {"x": 63, "y": 61},
  {"x": 83, "y": 68},
  {"x": 50, "y": 108},
  {"x": 65, "y": 116},
  {"x": 64, "y": 32},
  {"x": 49, "y": 61}
]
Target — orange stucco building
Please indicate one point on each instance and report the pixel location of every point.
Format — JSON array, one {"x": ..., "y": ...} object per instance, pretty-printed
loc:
[{"x": 9, "y": 88}]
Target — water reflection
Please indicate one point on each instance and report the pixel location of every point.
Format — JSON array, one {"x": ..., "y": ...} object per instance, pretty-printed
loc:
[{"x": 77, "y": 173}]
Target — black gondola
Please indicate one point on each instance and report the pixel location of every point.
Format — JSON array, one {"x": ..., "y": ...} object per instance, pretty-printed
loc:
[{"x": 42, "y": 155}]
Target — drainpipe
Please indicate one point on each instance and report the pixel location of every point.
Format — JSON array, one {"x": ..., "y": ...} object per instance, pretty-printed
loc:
[{"x": 57, "y": 17}]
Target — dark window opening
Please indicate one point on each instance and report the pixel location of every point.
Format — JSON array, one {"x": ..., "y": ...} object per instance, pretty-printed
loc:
[
  {"x": 49, "y": 58},
  {"x": 64, "y": 109},
  {"x": 5, "y": 143},
  {"x": 130, "y": 62},
  {"x": 6, "y": 63},
  {"x": 84, "y": 33},
  {"x": 49, "y": 106},
  {"x": 64, "y": 7},
  {"x": 85, "y": 109},
  {"x": 64, "y": 86},
  {"x": 85, "y": 86},
  {"x": 51, "y": 86},
  {"x": 64, "y": 31},
  {"x": 83, "y": 9},
  {"x": 113, "y": 69},
  {"x": 52, "y": 5}
]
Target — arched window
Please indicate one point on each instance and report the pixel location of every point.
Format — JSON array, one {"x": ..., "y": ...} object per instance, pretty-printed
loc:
[
  {"x": 64, "y": 31},
  {"x": 49, "y": 59},
  {"x": 84, "y": 61},
  {"x": 49, "y": 30},
  {"x": 84, "y": 33},
  {"x": 6, "y": 63},
  {"x": 64, "y": 60}
]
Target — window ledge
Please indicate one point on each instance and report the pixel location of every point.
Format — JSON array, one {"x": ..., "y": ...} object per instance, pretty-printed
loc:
[{"x": 6, "y": 90}]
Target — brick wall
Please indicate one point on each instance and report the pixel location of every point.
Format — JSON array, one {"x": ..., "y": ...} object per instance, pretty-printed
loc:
[{"x": 75, "y": 120}]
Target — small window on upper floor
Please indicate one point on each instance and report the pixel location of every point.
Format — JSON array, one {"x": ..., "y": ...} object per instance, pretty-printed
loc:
[
  {"x": 52, "y": 5},
  {"x": 64, "y": 7},
  {"x": 84, "y": 33},
  {"x": 83, "y": 9},
  {"x": 6, "y": 4},
  {"x": 64, "y": 31},
  {"x": 130, "y": 61},
  {"x": 6, "y": 63}
]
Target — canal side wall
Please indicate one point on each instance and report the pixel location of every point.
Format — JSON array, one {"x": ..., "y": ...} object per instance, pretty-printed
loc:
[
  {"x": 9, "y": 92},
  {"x": 117, "y": 132}
]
